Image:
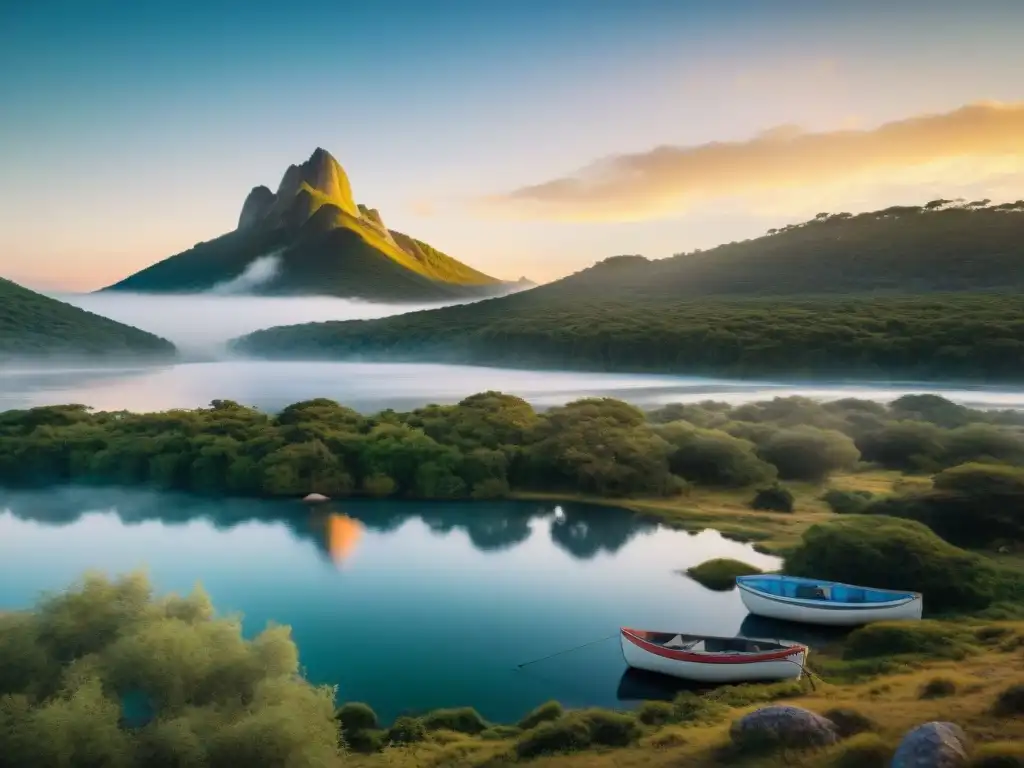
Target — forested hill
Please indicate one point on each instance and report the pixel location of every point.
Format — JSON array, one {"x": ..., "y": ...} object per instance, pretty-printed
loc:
[
  {"x": 930, "y": 292},
  {"x": 33, "y": 325},
  {"x": 943, "y": 246}
]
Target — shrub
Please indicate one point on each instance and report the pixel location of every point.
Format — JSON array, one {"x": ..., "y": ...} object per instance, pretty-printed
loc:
[
  {"x": 356, "y": 716},
  {"x": 713, "y": 457},
  {"x": 895, "y": 638},
  {"x": 905, "y": 445},
  {"x": 697, "y": 710},
  {"x": 720, "y": 574},
  {"x": 1000, "y": 754},
  {"x": 847, "y": 502},
  {"x": 775, "y": 498},
  {"x": 753, "y": 693},
  {"x": 546, "y": 712},
  {"x": 656, "y": 713},
  {"x": 406, "y": 730},
  {"x": 809, "y": 453},
  {"x": 379, "y": 485},
  {"x": 1011, "y": 701},
  {"x": 970, "y": 505},
  {"x": 461, "y": 720},
  {"x": 937, "y": 688},
  {"x": 865, "y": 750},
  {"x": 613, "y": 729},
  {"x": 563, "y": 735},
  {"x": 887, "y": 553},
  {"x": 850, "y": 722},
  {"x": 500, "y": 732}
]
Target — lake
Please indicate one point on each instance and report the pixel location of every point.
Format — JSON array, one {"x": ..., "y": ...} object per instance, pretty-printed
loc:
[
  {"x": 406, "y": 606},
  {"x": 370, "y": 387}
]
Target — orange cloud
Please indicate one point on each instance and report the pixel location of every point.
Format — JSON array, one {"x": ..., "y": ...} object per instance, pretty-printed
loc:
[{"x": 670, "y": 179}]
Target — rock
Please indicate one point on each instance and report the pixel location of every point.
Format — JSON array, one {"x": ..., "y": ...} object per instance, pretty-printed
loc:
[
  {"x": 932, "y": 745},
  {"x": 255, "y": 207},
  {"x": 315, "y": 498},
  {"x": 783, "y": 726}
]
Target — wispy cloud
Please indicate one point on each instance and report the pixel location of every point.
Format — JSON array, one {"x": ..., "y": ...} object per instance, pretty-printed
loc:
[{"x": 671, "y": 179}]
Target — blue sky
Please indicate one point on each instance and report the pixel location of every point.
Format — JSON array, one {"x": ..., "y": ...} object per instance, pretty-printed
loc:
[{"x": 133, "y": 130}]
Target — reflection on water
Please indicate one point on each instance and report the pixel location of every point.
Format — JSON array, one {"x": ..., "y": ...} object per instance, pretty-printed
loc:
[
  {"x": 481, "y": 586},
  {"x": 339, "y": 534},
  {"x": 375, "y": 386}
]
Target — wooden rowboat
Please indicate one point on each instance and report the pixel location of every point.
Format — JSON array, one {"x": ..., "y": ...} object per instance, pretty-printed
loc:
[
  {"x": 712, "y": 659},
  {"x": 825, "y": 602}
]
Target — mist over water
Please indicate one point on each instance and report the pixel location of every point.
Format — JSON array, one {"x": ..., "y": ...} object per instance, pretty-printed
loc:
[{"x": 200, "y": 324}]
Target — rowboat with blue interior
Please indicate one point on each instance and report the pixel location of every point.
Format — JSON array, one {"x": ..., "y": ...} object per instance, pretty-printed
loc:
[
  {"x": 825, "y": 602},
  {"x": 712, "y": 659}
]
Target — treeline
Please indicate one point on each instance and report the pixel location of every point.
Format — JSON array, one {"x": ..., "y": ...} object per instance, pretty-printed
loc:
[
  {"x": 969, "y": 337},
  {"x": 491, "y": 444}
]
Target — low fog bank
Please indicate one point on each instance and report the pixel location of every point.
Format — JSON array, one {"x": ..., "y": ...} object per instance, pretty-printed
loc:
[{"x": 200, "y": 324}]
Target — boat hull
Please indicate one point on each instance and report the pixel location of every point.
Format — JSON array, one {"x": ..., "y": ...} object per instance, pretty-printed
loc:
[
  {"x": 835, "y": 615},
  {"x": 788, "y": 667}
]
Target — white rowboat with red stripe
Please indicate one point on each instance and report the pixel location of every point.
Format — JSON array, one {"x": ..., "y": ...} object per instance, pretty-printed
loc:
[{"x": 708, "y": 659}]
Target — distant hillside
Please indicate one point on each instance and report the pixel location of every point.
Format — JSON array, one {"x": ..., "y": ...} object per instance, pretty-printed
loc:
[
  {"x": 917, "y": 292},
  {"x": 944, "y": 247},
  {"x": 33, "y": 325},
  {"x": 317, "y": 241}
]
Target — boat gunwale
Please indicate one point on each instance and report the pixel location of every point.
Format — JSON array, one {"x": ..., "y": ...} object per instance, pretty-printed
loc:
[{"x": 781, "y": 653}]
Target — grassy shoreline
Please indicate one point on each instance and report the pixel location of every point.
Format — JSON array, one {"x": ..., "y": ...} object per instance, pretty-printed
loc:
[{"x": 728, "y": 512}]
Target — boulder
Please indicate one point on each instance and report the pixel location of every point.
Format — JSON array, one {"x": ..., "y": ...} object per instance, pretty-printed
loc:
[
  {"x": 782, "y": 726},
  {"x": 932, "y": 745},
  {"x": 315, "y": 498}
]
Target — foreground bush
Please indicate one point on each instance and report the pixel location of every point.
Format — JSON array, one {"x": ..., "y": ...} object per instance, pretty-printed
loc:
[
  {"x": 1001, "y": 754},
  {"x": 720, "y": 574},
  {"x": 865, "y": 750},
  {"x": 847, "y": 502},
  {"x": 461, "y": 719},
  {"x": 970, "y": 505},
  {"x": 887, "y": 553},
  {"x": 107, "y": 653},
  {"x": 566, "y": 734},
  {"x": 1010, "y": 702},
  {"x": 775, "y": 498},
  {"x": 546, "y": 712}
]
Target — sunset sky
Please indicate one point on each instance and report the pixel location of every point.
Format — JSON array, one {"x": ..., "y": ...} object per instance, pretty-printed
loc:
[{"x": 525, "y": 138}]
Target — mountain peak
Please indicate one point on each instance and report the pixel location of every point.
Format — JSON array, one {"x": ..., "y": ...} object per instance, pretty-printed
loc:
[{"x": 321, "y": 178}]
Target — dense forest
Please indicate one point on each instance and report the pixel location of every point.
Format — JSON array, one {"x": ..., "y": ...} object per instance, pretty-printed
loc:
[
  {"x": 32, "y": 325},
  {"x": 967, "y": 337},
  {"x": 928, "y": 293},
  {"x": 492, "y": 444}
]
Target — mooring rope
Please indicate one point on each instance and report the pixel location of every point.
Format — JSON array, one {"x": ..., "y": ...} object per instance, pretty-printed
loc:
[{"x": 567, "y": 650}]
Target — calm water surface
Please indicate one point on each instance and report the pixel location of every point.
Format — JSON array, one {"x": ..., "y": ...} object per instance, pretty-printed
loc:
[
  {"x": 407, "y": 606},
  {"x": 372, "y": 387}
]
